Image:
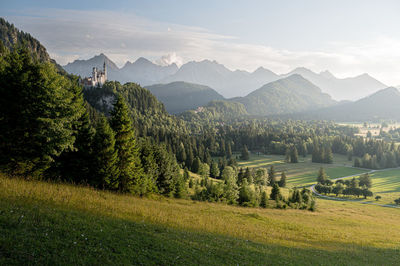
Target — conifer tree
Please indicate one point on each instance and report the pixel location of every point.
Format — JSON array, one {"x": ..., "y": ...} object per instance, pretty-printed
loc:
[
  {"x": 105, "y": 155},
  {"x": 214, "y": 170},
  {"x": 294, "y": 156},
  {"x": 245, "y": 153},
  {"x": 186, "y": 175},
  {"x": 196, "y": 165},
  {"x": 322, "y": 177},
  {"x": 282, "y": 181},
  {"x": 275, "y": 192},
  {"x": 38, "y": 108},
  {"x": 130, "y": 174},
  {"x": 264, "y": 200},
  {"x": 271, "y": 176}
]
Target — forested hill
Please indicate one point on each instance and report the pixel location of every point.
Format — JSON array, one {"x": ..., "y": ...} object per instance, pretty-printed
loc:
[
  {"x": 288, "y": 95},
  {"x": 148, "y": 114},
  {"x": 216, "y": 111},
  {"x": 181, "y": 96},
  {"x": 384, "y": 104},
  {"x": 10, "y": 36}
]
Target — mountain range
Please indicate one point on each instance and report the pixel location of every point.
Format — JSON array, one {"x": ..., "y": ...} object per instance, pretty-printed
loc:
[
  {"x": 381, "y": 105},
  {"x": 352, "y": 88},
  {"x": 142, "y": 71},
  {"x": 226, "y": 82}
]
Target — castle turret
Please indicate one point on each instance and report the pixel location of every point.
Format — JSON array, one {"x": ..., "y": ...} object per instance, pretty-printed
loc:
[
  {"x": 94, "y": 76},
  {"x": 105, "y": 71}
]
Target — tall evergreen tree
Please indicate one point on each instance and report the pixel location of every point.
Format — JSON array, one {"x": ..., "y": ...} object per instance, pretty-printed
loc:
[
  {"x": 38, "y": 108},
  {"x": 294, "y": 156},
  {"x": 264, "y": 200},
  {"x": 214, "y": 170},
  {"x": 104, "y": 155},
  {"x": 322, "y": 177},
  {"x": 245, "y": 153},
  {"x": 275, "y": 192},
  {"x": 282, "y": 181},
  {"x": 130, "y": 174},
  {"x": 271, "y": 176}
]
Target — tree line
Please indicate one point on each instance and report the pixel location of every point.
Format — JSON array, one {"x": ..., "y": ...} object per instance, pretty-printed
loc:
[{"x": 350, "y": 187}]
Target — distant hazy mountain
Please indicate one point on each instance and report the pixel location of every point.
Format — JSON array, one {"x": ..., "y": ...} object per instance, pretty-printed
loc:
[
  {"x": 288, "y": 95},
  {"x": 224, "y": 81},
  {"x": 180, "y": 96},
  {"x": 217, "y": 76},
  {"x": 84, "y": 68},
  {"x": 384, "y": 104},
  {"x": 144, "y": 72},
  {"x": 352, "y": 88}
]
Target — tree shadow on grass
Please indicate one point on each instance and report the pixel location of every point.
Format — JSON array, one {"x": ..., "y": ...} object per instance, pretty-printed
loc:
[{"x": 58, "y": 235}]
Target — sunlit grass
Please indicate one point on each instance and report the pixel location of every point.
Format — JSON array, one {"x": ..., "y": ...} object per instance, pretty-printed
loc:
[
  {"x": 385, "y": 184},
  {"x": 303, "y": 173},
  {"x": 362, "y": 233}
]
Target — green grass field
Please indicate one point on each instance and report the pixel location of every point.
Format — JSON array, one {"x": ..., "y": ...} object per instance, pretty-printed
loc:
[
  {"x": 385, "y": 184},
  {"x": 46, "y": 223},
  {"x": 303, "y": 173}
]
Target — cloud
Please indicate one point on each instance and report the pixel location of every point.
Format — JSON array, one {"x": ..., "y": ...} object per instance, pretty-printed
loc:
[
  {"x": 169, "y": 59},
  {"x": 72, "y": 34}
]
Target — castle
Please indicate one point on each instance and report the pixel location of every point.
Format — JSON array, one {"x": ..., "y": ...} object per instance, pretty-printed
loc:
[{"x": 97, "y": 79}]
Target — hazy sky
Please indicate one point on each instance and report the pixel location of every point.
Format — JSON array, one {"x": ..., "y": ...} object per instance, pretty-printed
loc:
[{"x": 347, "y": 37}]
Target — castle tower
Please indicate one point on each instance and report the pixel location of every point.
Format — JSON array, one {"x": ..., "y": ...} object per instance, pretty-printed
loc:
[
  {"x": 105, "y": 71},
  {"x": 94, "y": 76}
]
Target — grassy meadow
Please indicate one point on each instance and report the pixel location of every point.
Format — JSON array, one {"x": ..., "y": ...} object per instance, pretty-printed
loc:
[
  {"x": 385, "y": 184},
  {"x": 49, "y": 223},
  {"x": 303, "y": 173}
]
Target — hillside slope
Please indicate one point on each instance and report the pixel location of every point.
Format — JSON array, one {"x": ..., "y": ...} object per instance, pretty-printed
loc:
[
  {"x": 384, "y": 104},
  {"x": 288, "y": 95},
  {"x": 179, "y": 96},
  {"x": 45, "y": 223},
  {"x": 12, "y": 37}
]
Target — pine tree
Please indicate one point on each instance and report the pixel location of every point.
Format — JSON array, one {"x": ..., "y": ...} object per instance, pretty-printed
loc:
[
  {"x": 294, "y": 156},
  {"x": 275, "y": 192},
  {"x": 186, "y": 175},
  {"x": 130, "y": 174},
  {"x": 77, "y": 165},
  {"x": 245, "y": 153},
  {"x": 214, "y": 170},
  {"x": 328, "y": 155},
  {"x": 105, "y": 155},
  {"x": 264, "y": 200},
  {"x": 282, "y": 181},
  {"x": 196, "y": 165},
  {"x": 322, "y": 177},
  {"x": 271, "y": 176},
  {"x": 228, "y": 150},
  {"x": 38, "y": 108}
]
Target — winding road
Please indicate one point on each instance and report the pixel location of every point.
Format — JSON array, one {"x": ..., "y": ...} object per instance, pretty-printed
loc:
[{"x": 361, "y": 202}]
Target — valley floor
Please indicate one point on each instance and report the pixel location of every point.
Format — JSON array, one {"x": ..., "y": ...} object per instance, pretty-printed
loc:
[{"x": 48, "y": 223}]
